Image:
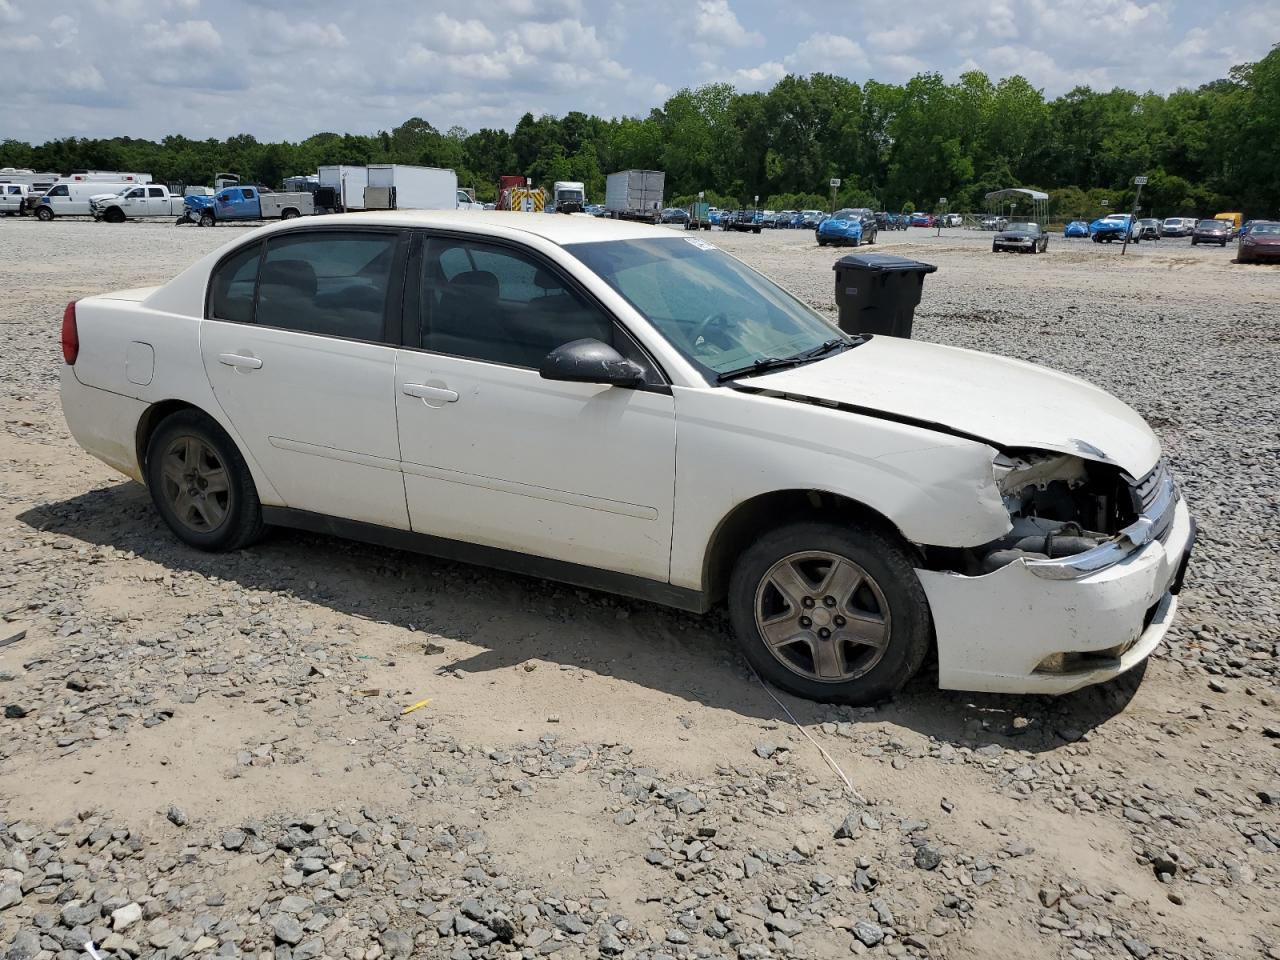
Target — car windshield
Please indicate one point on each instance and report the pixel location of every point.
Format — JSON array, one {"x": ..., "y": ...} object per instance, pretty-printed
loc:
[
  {"x": 718, "y": 312},
  {"x": 1023, "y": 227},
  {"x": 571, "y": 195},
  {"x": 1211, "y": 224},
  {"x": 1272, "y": 229}
]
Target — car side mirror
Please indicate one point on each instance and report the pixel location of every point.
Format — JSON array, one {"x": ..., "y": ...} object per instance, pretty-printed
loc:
[{"x": 590, "y": 361}]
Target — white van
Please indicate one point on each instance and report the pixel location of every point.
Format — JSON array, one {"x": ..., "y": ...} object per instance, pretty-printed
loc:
[
  {"x": 13, "y": 199},
  {"x": 71, "y": 198}
]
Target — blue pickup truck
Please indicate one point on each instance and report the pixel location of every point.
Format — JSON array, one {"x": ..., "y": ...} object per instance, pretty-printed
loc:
[{"x": 246, "y": 203}]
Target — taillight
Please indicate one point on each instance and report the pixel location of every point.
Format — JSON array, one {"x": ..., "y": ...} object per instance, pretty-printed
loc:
[{"x": 70, "y": 335}]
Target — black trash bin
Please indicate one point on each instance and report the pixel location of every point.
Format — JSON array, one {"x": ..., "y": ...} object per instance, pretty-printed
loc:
[{"x": 879, "y": 293}]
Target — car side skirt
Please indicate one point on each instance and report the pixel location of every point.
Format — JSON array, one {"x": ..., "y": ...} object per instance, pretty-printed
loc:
[{"x": 511, "y": 561}]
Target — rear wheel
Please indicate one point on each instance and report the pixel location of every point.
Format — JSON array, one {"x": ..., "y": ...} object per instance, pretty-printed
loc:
[
  {"x": 288, "y": 214},
  {"x": 830, "y": 612},
  {"x": 201, "y": 485}
]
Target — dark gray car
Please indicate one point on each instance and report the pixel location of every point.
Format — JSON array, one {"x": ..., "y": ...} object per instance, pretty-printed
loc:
[
  {"x": 1211, "y": 231},
  {"x": 1020, "y": 238}
]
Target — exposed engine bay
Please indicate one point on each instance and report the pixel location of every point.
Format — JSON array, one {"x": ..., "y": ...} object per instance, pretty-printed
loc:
[{"x": 1060, "y": 505}]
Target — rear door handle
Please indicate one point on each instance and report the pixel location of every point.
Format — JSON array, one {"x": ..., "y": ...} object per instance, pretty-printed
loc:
[
  {"x": 439, "y": 394},
  {"x": 236, "y": 360}
]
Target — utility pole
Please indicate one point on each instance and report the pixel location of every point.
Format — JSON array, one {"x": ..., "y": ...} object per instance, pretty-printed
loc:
[
  {"x": 942, "y": 212},
  {"x": 1138, "y": 182}
]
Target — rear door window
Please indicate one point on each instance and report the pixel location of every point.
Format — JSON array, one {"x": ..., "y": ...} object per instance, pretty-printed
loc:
[
  {"x": 332, "y": 283},
  {"x": 233, "y": 284}
]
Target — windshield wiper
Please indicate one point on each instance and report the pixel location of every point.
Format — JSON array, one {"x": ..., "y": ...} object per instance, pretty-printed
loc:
[
  {"x": 765, "y": 364},
  {"x": 762, "y": 365}
]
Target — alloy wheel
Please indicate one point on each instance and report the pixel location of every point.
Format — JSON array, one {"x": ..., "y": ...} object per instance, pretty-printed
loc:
[
  {"x": 195, "y": 484},
  {"x": 822, "y": 616}
]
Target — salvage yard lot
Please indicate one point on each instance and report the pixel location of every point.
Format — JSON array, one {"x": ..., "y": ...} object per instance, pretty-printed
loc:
[{"x": 220, "y": 739}]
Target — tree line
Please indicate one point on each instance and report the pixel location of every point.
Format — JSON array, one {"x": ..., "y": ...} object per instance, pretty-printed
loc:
[{"x": 893, "y": 146}]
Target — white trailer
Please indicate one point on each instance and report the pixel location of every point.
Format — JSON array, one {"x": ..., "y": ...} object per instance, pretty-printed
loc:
[
  {"x": 400, "y": 186},
  {"x": 348, "y": 183},
  {"x": 635, "y": 194},
  {"x": 107, "y": 176},
  {"x": 35, "y": 181}
]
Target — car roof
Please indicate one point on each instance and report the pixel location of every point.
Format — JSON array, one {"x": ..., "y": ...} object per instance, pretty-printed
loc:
[{"x": 558, "y": 228}]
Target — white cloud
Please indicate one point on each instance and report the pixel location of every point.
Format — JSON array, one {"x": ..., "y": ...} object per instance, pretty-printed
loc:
[
  {"x": 443, "y": 32},
  {"x": 20, "y": 42},
  {"x": 716, "y": 23},
  {"x": 195, "y": 37},
  {"x": 275, "y": 32},
  {"x": 9, "y": 13},
  {"x": 828, "y": 53},
  {"x": 759, "y": 77}
]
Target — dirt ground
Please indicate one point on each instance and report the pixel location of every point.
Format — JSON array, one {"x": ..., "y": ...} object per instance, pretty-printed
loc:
[{"x": 576, "y": 746}]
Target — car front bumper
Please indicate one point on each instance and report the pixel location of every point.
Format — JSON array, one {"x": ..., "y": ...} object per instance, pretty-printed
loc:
[{"x": 1016, "y": 631}]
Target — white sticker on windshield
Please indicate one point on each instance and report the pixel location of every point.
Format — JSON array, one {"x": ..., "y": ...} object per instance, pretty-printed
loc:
[{"x": 699, "y": 243}]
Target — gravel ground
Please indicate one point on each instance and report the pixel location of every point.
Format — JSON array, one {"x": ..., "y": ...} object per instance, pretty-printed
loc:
[{"x": 211, "y": 754}]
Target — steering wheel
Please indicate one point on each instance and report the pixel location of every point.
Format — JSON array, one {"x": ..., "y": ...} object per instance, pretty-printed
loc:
[{"x": 701, "y": 336}]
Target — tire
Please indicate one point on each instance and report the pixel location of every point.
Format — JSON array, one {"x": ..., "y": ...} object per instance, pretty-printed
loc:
[
  {"x": 44, "y": 214},
  {"x": 207, "y": 219},
  {"x": 114, "y": 215},
  {"x": 857, "y": 241},
  {"x": 756, "y": 231},
  {"x": 839, "y": 668},
  {"x": 821, "y": 242},
  {"x": 1194, "y": 242},
  {"x": 873, "y": 237},
  {"x": 189, "y": 447},
  {"x": 288, "y": 214}
]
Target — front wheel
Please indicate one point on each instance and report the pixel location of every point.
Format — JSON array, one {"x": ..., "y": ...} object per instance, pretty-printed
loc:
[
  {"x": 830, "y": 612},
  {"x": 44, "y": 214},
  {"x": 206, "y": 220},
  {"x": 201, "y": 485},
  {"x": 114, "y": 215}
]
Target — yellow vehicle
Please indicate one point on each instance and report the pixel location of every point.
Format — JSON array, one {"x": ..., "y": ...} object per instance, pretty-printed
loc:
[{"x": 1235, "y": 219}]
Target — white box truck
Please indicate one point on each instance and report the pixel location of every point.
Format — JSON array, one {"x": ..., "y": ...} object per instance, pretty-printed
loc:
[
  {"x": 348, "y": 183},
  {"x": 569, "y": 196},
  {"x": 401, "y": 186},
  {"x": 635, "y": 195}
]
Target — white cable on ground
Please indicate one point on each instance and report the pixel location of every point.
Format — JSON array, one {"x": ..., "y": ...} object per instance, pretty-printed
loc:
[{"x": 825, "y": 756}]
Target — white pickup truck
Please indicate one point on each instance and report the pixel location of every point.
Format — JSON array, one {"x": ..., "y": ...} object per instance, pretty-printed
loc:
[
  {"x": 143, "y": 200},
  {"x": 13, "y": 199}
]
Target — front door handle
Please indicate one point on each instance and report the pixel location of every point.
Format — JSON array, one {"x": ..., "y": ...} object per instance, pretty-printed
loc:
[
  {"x": 427, "y": 392},
  {"x": 236, "y": 360}
]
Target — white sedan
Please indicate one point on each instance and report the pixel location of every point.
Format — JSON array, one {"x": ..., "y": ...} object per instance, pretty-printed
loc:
[{"x": 609, "y": 405}]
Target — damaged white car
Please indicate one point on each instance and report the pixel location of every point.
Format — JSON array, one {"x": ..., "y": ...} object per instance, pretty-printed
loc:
[{"x": 614, "y": 406}]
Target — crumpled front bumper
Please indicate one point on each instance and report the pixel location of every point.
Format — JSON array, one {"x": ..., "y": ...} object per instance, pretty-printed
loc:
[{"x": 1002, "y": 632}]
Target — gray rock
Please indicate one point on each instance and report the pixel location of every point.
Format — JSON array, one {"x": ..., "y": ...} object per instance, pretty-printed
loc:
[
  {"x": 928, "y": 857},
  {"x": 177, "y": 816},
  {"x": 1137, "y": 949},
  {"x": 398, "y": 944},
  {"x": 125, "y": 917},
  {"x": 295, "y": 905},
  {"x": 287, "y": 929},
  {"x": 848, "y": 827},
  {"x": 765, "y": 749},
  {"x": 234, "y": 840},
  {"x": 10, "y": 895},
  {"x": 868, "y": 933},
  {"x": 610, "y": 945}
]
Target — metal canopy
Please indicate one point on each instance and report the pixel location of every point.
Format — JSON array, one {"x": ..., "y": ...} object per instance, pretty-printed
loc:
[
  {"x": 1015, "y": 193},
  {"x": 1006, "y": 201}
]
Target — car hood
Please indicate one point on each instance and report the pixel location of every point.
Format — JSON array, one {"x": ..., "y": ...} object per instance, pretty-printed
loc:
[
  {"x": 1109, "y": 225},
  {"x": 1005, "y": 402},
  {"x": 1015, "y": 235}
]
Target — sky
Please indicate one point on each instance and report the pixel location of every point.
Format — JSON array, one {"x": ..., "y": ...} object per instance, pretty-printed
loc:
[{"x": 285, "y": 70}]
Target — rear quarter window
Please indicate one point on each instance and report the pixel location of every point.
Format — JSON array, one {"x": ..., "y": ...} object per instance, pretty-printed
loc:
[{"x": 232, "y": 285}]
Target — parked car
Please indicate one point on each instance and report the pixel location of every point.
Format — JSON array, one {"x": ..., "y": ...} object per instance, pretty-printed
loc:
[
  {"x": 1076, "y": 228},
  {"x": 1211, "y": 231},
  {"x": 1112, "y": 227},
  {"x": 248, "y": 203},
  {"x": 1022, "y": 237},
  {"x": 889, "y": 498},
  {"x": 922, "y": 220},
  {"x": 1177, "y": 226},
  {"x": 1233, "y": 220},
  {"x": 743, "y": 221},
  {"x": 1146, "y": 229},
  {"x": 73, "y": 198},
  {"x": 143, "y": 202},
  {"x": 13, "y": 199},
  {"x": 675, "y": 215},
  {"x": 852, "y": 225},
  {"x": 991, "y": 222},
  {"x": 811, "y": 218},
  {"x": 953, "y": 220},
  {"x": 1261, "y": 244}
]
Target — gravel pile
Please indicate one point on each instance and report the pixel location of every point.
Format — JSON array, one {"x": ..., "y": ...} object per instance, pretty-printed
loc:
[{"x": 229, "y": 756}]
